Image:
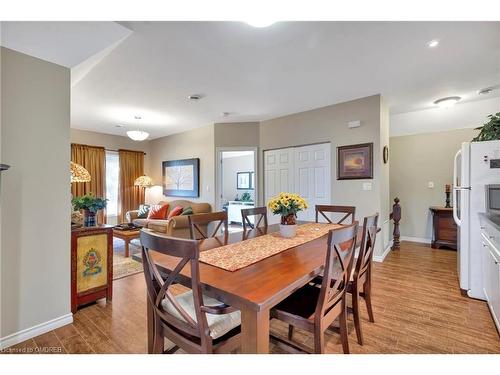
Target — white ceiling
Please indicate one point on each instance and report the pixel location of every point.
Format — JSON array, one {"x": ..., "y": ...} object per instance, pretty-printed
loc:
[
  {"x": 62, "y": 43},
  {"x": 463, "y": 115},
  {"x": 256, "y": 74}
]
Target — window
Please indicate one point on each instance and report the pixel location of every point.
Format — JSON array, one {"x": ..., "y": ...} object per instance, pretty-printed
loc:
[{"x": 112, "y": 173}]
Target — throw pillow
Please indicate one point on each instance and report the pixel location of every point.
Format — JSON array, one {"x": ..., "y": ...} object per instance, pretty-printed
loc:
[
  {"x": 187, "y": 211},
  {"x": 158, "y": 212},
  {"x": 143, "y": 211},
  {"x": 175, "y": 212}
]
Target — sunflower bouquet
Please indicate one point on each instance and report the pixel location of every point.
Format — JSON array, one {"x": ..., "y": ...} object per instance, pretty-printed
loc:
[{"x": 287, "y": 205}]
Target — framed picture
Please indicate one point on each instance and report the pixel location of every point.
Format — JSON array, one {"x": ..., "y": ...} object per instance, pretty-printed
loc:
[
  {"x": 181, "y": 178},
  {"x": 355, "y": 162},
  {"x": 244, "y": 180}
]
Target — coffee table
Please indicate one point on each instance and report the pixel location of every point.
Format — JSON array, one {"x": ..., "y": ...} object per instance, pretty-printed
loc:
[{"x": 127, "y": 236}]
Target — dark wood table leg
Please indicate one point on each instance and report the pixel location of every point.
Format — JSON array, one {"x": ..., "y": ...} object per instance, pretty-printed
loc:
[
  {"x": 254, "y": 331},
  {"x": 151, "y": 327},
  {"x": 127, "y": 252}
]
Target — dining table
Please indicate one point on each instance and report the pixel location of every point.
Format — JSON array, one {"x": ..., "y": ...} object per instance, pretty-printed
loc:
[{"x": 254, "y": 289}]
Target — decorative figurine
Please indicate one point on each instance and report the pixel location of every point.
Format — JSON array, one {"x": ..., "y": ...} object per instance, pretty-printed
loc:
[{"x": 447, "y": 190}]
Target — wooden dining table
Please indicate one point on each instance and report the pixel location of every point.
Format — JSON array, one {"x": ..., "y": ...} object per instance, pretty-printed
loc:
[{"x": 254, "y": 289}]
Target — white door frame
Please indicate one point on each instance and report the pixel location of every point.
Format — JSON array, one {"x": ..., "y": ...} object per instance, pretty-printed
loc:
[{"x": 218, "y": 172}]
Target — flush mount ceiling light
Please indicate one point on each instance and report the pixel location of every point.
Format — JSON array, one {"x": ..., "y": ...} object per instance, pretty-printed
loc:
[
  {"x": 433, "y": 43},
  {"x": 447, "y": 102},
  {"x": 195, "y": 97},
  {"x": 260, "y": 23},
  {"x": 137, "y": 135},
  {"x": 485, "y": 91}
]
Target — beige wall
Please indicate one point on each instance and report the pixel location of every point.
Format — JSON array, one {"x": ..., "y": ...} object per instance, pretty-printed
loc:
[
  {"x": 237, "y": 134},
  {"x": 329, "y": 124},
  {"x": 35, "y": 198},
  {"x": 197, "y": 143},
  {"x": 416, "y": 160},
  {"x": 112, "y": 142}
]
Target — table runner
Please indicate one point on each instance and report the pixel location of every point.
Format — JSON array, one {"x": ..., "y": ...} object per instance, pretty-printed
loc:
[{"x": 238, "y": 255}]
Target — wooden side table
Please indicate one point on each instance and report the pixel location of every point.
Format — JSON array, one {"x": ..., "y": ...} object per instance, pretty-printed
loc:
[
  {"x": 444, "y": 229},
  {"x": 127, "y": 236},
  {"x": 91, "y": 265}
]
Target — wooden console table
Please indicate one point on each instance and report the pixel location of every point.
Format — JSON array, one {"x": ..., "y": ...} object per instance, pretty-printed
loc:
[
  {"x": 91, "y": 265},
  {"x": 444, "y": 229}
]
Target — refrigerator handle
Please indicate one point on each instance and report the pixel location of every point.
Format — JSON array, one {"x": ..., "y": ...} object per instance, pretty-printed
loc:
[{"x": 455, "y": 190}]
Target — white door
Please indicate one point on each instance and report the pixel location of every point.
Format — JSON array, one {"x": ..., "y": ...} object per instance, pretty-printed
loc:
[
  {"x": 278, "y": 175},
  {"x": 312, "y": 177},
  {"x": 304, "y": 170}
]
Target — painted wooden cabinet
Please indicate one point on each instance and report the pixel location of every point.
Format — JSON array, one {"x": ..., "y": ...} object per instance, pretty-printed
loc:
[
  {"x": 490, "y": 238},
  {"x": 91, "y": 265}
]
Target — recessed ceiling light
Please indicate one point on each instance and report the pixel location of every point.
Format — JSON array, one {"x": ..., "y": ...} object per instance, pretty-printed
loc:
[
  {"x": 447, "y": 102},
  {"x": 138, "y": 117},
  {"x": 433, "y": 43},
  {"x": 195, "y": 97},
  {"x": 485, "y": 91},
  {"x": 137, "y": 135},
  {"x": 260, "y": 23}
]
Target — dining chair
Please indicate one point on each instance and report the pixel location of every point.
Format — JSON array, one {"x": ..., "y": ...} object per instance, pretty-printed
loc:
[
  {"x": 314, "y": 309},
  {"x": 260, "y": 214},
  {"x": 347, "y": 210},
  {"x": 360, "y": 283},
  {"x": 196, "y": 222},
  {"x": 190, "y": 321}
]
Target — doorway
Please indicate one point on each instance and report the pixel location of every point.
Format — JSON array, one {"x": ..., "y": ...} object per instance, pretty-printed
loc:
[{"x": 236, "y": 183}]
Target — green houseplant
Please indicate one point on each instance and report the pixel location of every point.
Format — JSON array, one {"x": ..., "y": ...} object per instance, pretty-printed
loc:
[
  {"x": 490, "y": 131},
  {"x": 90, "y": 204}
]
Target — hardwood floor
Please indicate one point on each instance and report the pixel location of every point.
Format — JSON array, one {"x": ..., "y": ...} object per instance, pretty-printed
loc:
[{"x": 417, "y": 304}]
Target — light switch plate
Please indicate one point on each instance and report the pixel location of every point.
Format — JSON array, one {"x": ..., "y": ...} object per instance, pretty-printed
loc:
[{"x": 367, "y": 185}]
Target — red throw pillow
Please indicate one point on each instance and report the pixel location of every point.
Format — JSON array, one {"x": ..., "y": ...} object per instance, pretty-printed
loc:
[
  {"x": 158, "y": 212},
  {"x": 175, "y": 212}
]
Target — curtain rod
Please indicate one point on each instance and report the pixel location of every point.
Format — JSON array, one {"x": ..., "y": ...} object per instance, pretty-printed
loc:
[{"x": 108, "y": 149}]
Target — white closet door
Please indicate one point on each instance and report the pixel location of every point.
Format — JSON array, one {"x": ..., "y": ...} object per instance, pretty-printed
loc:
[
  {"x": 278, "y": 175},
  {"x": 313, "y": 176}
]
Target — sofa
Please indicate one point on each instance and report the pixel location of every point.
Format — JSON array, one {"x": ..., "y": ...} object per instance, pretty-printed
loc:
[{"x": 178, "y": 226}]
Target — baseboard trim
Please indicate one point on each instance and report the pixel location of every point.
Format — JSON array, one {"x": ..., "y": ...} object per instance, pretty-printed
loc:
[
  {"x": 380, "y": 258},
  {"x": 39, "y": 329},
  {"x": 416, "y": 239}
]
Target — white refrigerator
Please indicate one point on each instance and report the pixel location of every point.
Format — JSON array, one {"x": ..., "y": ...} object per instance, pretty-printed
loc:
[{"x": 476, "y": 164}]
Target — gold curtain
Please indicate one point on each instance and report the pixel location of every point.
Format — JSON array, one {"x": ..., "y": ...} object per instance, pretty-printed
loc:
[
  {"x": 129, "y": 196},
  {"x": 93, "y": 159}
]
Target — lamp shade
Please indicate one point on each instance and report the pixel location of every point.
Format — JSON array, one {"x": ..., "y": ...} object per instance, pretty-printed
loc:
[
  {"x": 143, "y": 181},
  {"x": 79, "y": 173}
]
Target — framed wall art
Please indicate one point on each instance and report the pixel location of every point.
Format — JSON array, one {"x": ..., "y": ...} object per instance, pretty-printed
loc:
[
  {"x": 181, "y": 178},
  {"x": 355, "y": 162}
]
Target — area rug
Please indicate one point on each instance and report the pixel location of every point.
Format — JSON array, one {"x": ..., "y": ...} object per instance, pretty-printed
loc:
[{"x": 123, "y": 267}]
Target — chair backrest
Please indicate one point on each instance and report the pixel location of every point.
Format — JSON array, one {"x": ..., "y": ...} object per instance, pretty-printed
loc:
[
  {"x": 158, "y": 288},
  {"x": 338, "y": 266},
  {"x": 347, "y": 210},
  {"x": 365, "y": 256},
  {"x": 198, "y": 220},
  {"x": 260, "y": 214}
]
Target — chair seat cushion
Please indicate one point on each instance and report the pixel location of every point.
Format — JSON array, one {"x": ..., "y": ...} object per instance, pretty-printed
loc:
[
  {"x": 219, "y": 325},
  {"x": 301, "y": 303}
]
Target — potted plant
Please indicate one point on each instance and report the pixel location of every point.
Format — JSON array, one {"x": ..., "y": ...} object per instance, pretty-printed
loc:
[
  {"x": 90, "y": 205},
  {"x": 490, "y": 131},
  {"x": 287, "y": 205}
]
